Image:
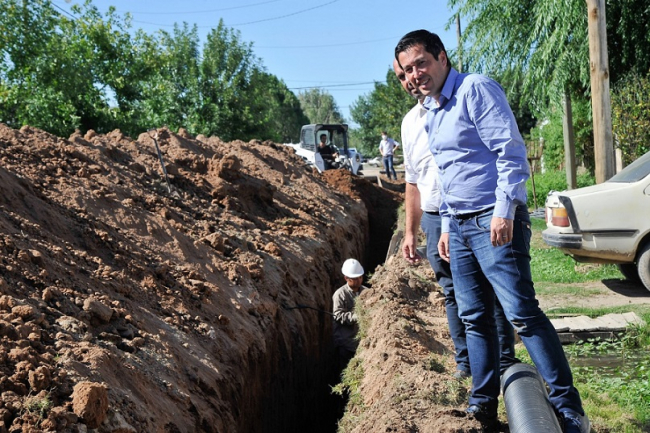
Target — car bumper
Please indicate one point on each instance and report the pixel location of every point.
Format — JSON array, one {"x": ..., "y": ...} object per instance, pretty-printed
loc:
[
  {"x": 614, "y": 247},
  {"x": 562, "y": 240}
]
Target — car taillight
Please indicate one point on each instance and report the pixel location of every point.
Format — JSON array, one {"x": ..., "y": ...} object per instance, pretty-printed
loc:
[{"x": 559, "y": 217}]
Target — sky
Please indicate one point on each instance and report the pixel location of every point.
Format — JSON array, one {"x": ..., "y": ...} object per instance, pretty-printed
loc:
[{"x": 340, "y": 46}]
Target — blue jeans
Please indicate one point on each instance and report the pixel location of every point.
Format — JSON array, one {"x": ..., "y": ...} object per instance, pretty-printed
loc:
[
  {"x": 482, "y": 271},
  {"x": 388, "y": 166},
  {"x": 431, "y": 226}
]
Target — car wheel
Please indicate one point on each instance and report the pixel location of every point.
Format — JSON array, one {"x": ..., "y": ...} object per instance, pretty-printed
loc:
[
  {"x": 643, "y": 263},
  {"x": 629, "y": 271}
]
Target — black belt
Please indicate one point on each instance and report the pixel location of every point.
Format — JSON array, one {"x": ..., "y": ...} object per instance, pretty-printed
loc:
[
  {"x": 432, "y": 213},
  {"x": 466, "y": 216}
]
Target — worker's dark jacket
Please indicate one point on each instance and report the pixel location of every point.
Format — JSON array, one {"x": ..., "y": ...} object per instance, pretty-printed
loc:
[{"x": 345, "y": 320}]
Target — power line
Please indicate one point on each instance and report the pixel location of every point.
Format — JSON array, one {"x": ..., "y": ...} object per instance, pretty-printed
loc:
[
  {"x": 335, "y": 45},
  {"x": 202, "y": 12},
  {"x": 331, "y": 85},
  {"x": 247, "y": 23},
  {"x": 64, "y": 11},
  {"x": 287, "y": 15}
]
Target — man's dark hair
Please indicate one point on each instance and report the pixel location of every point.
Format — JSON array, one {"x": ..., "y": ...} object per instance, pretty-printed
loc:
[{"x": 430, "y": 41}]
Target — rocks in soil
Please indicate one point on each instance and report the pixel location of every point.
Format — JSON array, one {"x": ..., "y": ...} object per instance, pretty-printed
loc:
[{"x": 90, "y": 403}]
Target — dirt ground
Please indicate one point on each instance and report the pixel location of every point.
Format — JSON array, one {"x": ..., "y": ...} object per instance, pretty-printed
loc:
[
  {"x": 130, "y": 304},
  {"x": 606, "y": 293},
  {"x": 190, "y": 300}
]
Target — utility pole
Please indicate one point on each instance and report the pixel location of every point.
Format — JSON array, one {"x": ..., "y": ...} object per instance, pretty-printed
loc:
[
  {"x": 460, "y": 44},
  {"x": 569, "y": 142},
  {"x": 600, "y": 99}
]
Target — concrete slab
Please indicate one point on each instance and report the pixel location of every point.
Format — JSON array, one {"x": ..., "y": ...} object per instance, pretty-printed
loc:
[{"x": 607, "y": 327}]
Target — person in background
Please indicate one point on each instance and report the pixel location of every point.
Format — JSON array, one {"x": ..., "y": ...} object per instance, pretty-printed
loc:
[
  {"x": 327, "y": 152},
  {"x": 387, "y": 148},
  {"x": 345, "y": 319},
  {"x": 483, "y": 166},
  {"x": 422, "y": 205}
]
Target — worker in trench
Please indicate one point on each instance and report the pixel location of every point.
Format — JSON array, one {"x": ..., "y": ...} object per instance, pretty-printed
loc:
[{"x": 345, "y": 319}]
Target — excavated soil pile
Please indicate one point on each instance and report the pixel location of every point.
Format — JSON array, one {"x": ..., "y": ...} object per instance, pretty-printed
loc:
[
  {"x": 405, "y": 359},
  {"x": 129, "y": 307}
]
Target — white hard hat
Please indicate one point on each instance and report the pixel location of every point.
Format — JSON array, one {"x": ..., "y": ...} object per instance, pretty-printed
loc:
[{"x": 352, "y": 268}]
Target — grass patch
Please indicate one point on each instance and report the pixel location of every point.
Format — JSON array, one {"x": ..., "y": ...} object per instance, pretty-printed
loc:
[
  {"x": 455, "y": 393},
  {"x": 363, "y": 320},
  {"x": 37, "y": 406},
  {"x": 618, "y": 400},
  {"x": 349, "y": 386},
  {"x": 550, "y": 265},
  {"x": 435, "y": 363}
]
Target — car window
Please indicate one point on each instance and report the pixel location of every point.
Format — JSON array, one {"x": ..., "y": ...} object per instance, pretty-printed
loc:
[{"x": 635, "y": 171}]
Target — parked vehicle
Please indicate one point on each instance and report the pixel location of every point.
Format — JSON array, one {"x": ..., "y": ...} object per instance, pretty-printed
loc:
[
  {"x": 337, "y": 136},
  {"x": 375, "y": 162},
  {"x": 606, "y": 223}
]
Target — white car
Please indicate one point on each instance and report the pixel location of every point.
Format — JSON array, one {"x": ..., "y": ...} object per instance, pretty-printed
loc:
[
  {"x": 375, "y": 162},
  {"x": 606, "y": 223}
]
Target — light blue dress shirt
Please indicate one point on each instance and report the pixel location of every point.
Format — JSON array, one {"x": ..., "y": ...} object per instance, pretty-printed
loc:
[{"x": 475, "y": 141}]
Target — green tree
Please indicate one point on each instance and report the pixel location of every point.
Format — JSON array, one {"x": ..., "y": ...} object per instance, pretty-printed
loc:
[
  {"x": 26, "y": 30},
  {"x": 545, "y": 44},
  {"x": 381, "y": 110},
  {"x": 59, "y": 74},
  {"x": 320, "y": 107},
  {"x": 171, "y": 94},
  {"x": 551, "y": 132},
  {"x": 225, "y": 79},
  {"x": 278, "y": 113},
  {"x": 631, "y": 116},
  {"x": 544, "y": 48}
]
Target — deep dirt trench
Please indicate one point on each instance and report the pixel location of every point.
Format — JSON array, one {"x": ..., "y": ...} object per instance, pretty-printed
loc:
[
  {"x": 300, "y": 398},
  {"x": 127, "y": 308}
]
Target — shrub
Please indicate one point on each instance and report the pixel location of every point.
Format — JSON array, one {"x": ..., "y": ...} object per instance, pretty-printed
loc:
[
  {"x": 550, "y": 130},
  {"x": 631, "y": 116},
  {"x": 552, "y": 181}
]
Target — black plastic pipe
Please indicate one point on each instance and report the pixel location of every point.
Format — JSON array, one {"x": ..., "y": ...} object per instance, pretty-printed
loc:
[{"x": 527, "y": 406}]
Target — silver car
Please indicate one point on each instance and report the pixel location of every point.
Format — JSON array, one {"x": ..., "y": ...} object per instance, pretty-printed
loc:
[{"x": 606, "y": 223}]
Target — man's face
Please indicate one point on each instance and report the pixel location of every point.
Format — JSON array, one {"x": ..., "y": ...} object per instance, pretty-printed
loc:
[
  {"x": 323, "y": 140},
  {"x": 401, "y": 76},
  {"x": 354, "y": 283},
  {"x": 425, "y": 73}
]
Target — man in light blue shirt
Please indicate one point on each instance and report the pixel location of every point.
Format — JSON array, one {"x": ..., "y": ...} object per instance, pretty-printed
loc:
[
  {"x": 422, "y": 207},
  {"x": 482, "y": 164}
]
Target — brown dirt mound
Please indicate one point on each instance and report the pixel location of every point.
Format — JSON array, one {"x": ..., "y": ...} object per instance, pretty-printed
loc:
[{"x": 174, "y": 301}]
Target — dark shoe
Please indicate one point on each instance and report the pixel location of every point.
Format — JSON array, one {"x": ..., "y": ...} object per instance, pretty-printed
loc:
[
  {"x": 575, "y": 423},
  {"x": 461, "y": 374},
  {"x": 486, "y": 416}
]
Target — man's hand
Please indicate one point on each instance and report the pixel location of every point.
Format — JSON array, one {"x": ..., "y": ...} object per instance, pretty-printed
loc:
[
  {"x": 443, "y": 247},
  {"x": 501, "y": 231},
  {"x": 409, "y": 250}
]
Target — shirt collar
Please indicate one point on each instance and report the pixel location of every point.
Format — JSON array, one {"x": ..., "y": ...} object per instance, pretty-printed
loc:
[
  {"x": 421, "y": 108},
  {"x": 446, "y": 92}
]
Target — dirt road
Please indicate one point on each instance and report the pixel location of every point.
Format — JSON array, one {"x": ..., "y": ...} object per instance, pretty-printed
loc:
[{"x": 607, "y": 293}]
